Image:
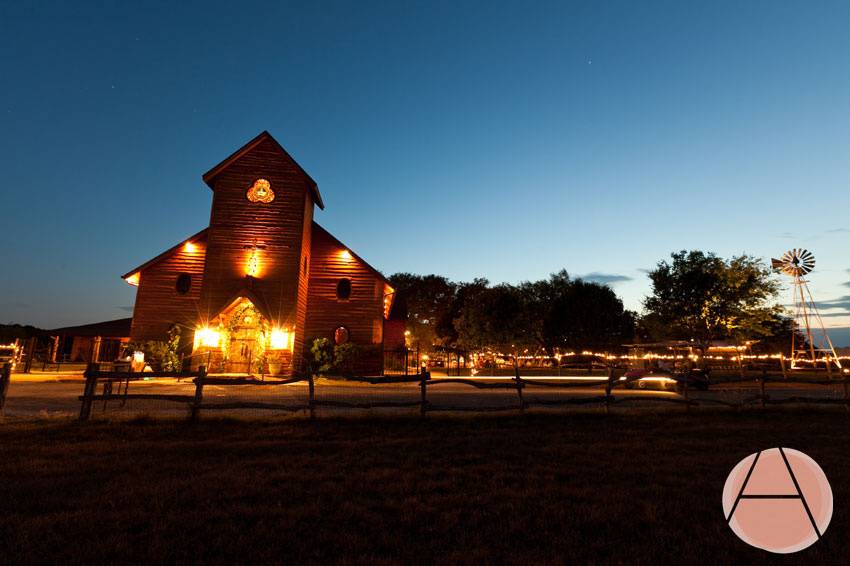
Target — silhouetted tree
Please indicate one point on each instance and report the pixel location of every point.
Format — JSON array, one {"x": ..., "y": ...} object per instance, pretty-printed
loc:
[
  {"x": 464, "y": 293},
  {"x": 781, "y": 328},
  {"x": 699, "y": 296},
  {"x": 494, "y": 317},
  {"x": 429, "y": 300},
  {"x": 576, "y": 314}
]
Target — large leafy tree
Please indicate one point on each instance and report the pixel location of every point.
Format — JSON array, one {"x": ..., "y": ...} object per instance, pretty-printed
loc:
[
  {"x": 429, "y": 300},
  {"x": 465, "y": 293},
  {"x": 574, "y": 314},
  {"x": 699, "y": 296},
  {"x": 494, "y": 317}
]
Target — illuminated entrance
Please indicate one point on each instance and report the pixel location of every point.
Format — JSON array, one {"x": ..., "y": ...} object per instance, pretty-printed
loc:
[
  {"x": 240, "y": 339},
  {"x": 246, "y": 338}
]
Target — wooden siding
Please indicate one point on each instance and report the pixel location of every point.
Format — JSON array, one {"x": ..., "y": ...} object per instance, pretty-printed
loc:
[
  {"x": 303, "y": 283},
  {"x": 158, "y": 304},
  {"x": 362, "y": 313},
  {"x": 394, "y": 334},
  {"x": 276, "y": 228}
]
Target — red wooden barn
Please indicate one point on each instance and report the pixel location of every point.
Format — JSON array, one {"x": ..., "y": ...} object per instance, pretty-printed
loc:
[{"x": 253, "y": 289}]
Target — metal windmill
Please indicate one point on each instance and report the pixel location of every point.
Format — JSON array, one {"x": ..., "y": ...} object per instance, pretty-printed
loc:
[{"x": 797, "y": 263}]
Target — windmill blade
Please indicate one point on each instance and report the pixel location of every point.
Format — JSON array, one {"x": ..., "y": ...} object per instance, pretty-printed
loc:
[
  {"x": 795, "y": 262},
  {"x": 807, "y": 261}
]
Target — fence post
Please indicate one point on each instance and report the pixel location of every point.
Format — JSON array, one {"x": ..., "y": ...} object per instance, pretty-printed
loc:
[
  {"x": 199, "y": 393},
  {"x": 782, "y": 365},
  {"x": 29, "y": 354},
  {"x": 761, "y": 386},
  {"x": 846, "y": 398},
  {"x": 608, "y": 387},
  {"x": 519, "y": 387},
  {"x": 5, "y": 378},
  {"x": 88, "y": 391},
  {"x": 311, "y": 388},
  {"x": 423, "y": 386}
]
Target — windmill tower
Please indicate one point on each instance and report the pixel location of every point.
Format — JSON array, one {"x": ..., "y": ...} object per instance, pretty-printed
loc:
[{"x": 797, "y": 263}]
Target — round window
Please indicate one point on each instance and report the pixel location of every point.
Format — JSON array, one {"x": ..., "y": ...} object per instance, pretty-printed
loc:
[
  {"x": 343, "y": 289},
  {"x": 183, "y": 283},
  {"x": 341, "y": 335}
]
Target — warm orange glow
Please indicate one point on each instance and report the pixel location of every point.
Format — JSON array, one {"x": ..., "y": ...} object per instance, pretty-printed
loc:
[
  {"x": 261, "y": 191},
  {"x": 208, "y": 337},
  {"x": 133, "y": 279},
  {"x": 281, "y": 339},
  {"x": 252, "y": 267},
  {"x": 345, "y": 254},
  {"x": 189, "y": 247},
  {"x": 389, "y": 296}
]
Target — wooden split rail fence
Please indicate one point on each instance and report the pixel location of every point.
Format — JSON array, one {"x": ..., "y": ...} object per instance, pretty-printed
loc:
[{"x": 115, "y": 387}]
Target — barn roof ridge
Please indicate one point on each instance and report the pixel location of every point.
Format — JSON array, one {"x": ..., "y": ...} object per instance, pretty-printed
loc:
[
  {"x": 166, "y": 253},
  {"x": 262, "y": 136},
  {"x": 118, "y": 328},
  {"x": 380, "y": 275}
]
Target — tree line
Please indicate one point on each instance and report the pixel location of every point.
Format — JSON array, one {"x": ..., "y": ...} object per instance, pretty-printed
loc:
[{"x": 694, "y": 295}]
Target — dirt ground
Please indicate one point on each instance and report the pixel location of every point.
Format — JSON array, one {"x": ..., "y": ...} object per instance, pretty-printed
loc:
[{"x": 636, "y": 487}]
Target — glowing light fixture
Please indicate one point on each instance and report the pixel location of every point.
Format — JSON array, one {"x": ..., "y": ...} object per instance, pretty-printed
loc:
[
  {"x": 345, "y": 254},
  {"x": 253, "y": 265},
  {"x": 281, "y": 339},
  {"x": 133, "y": 279},
  {"x": 189, "y": 247},
  {"x": 208, "y": 337}
]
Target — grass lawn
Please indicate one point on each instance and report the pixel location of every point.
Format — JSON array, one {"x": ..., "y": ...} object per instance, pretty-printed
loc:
[{"x": 627, "y": 488}]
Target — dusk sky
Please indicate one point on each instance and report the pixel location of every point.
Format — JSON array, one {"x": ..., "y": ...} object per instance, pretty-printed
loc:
[{"x": 468, "y": 140}]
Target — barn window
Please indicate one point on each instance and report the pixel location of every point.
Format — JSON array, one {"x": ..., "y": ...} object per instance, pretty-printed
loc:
[
  {"x": 343, "y": 289},
  {"x": 341, "y": 335},
  {"x": 183, "y": 283}
]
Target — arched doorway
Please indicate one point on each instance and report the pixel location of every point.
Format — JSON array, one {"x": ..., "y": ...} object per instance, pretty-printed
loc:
[{"x": 245, "y": 337}]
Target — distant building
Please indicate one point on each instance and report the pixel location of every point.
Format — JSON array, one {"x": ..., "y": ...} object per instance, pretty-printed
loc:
[
  {"x": 263, "y": 279},
  {"x": 100, "y": 341}
]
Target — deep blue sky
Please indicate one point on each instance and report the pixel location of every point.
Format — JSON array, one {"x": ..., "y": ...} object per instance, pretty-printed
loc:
[{"x": 463, "y": 139}]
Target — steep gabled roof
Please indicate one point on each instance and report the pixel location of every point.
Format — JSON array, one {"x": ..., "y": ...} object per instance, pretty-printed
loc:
[
  {"x": 199, "y": 236},
  {"x": 377, "y": 273},
  {"x": 111, "y": 329},
  {"x": 247, "y": 293},
  {"x": 264, "y": 135}
]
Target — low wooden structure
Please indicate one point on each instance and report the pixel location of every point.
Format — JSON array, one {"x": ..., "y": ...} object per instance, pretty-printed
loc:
[{"x": 89, "y": 343}]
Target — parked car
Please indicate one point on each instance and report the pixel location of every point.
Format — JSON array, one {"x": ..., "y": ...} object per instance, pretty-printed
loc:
[{"x": 666, "y": 380}]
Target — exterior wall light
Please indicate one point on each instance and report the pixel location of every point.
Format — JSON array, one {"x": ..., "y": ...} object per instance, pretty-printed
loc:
[
  {"x": 281, "y": 339},
  {"x": 207, "y": 337}
]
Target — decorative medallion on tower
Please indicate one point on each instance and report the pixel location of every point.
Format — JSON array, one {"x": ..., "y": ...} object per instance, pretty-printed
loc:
[{"x": 261, "y": 191}]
